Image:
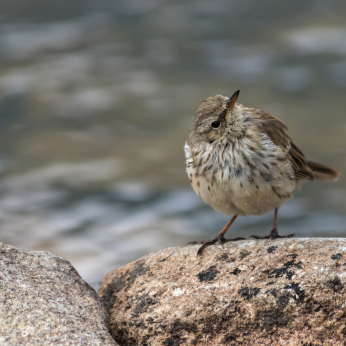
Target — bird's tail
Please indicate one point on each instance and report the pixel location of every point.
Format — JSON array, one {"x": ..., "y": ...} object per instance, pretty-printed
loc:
[{"x": 323, "y": 172}]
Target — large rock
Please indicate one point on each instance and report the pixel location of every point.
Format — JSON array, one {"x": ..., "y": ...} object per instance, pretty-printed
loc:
[
  {"x": 280, "y": 292},
  {"x": 43, "y": 301}
]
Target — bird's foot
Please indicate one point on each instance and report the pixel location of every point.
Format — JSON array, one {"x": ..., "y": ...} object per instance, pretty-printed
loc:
[
  {"x": 273, "y": 235},
  {"x": 220, "y": 239}
]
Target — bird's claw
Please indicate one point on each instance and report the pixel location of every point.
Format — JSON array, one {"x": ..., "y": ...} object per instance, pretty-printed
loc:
[{"x": 218, "y": 240}]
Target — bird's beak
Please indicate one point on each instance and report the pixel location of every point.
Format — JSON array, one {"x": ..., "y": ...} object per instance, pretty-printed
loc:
[{"x": 231, "y": 102}]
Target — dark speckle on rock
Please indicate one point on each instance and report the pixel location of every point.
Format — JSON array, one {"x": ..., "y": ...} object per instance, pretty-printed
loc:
[
  {"x": 143, "y": 305},
  {"x": 299, "y": 292},
  {"x": 177, "y": 331},
  {"x": 162, "y": 260},
  {"x": 273, "y": 292},
  {"x": 118, "y": 283},
  {"x": 343, "y": 331},
  {"x": 249, "y": 293},
  {"x": 336, "y": 256},
  {"x": 137, "y": 271},
  {"x": 272, "y": 249},
  {"x": 284, "y": 270},
  {"x": 335, "y": 284},
  {"x": 172, "y": 342},
  {"x": 283, "y": 300},
  {"x": 115, "y": 286},
  {"x": 230, "y": 337},
  {"x": 225, "y": 257},
  {"x": 208, "y": 274},
  {"x": 244, "y": 254},
  {"x": 150, "y": 320},
  {"x": 178, "y": 326},
  {"x": 236, "y": 271}
]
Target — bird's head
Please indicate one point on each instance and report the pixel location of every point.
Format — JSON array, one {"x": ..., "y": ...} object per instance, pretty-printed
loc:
[{"x": 217, "y": 117}]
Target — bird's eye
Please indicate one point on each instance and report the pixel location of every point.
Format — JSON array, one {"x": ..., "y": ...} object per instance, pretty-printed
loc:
[{"x": 215, "y": 124}]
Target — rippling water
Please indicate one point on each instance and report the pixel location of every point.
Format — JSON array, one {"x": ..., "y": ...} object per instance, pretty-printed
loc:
[{"x": 96, "y": 100}]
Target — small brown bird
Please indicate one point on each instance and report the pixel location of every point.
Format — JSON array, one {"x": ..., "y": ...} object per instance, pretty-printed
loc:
[{"x": 240, "y": 161}]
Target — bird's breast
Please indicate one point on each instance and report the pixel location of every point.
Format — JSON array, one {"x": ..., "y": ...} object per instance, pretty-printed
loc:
[{"x": 240, "y": 177}]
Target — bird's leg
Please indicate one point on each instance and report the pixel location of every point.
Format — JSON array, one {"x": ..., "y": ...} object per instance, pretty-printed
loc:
[
  {"x": 219, "y": 239},
  {"x": 274, "y": 233}
]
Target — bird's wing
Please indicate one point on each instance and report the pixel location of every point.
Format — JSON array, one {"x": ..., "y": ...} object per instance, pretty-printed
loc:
[
  {"x": 302, "y": 169},
  {"x": 276, "y": 131}
]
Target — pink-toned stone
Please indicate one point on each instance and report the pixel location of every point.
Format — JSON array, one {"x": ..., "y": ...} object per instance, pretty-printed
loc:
[{"x": 272, "y": 292}]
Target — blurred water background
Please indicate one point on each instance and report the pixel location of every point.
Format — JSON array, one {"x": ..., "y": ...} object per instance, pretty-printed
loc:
[{"x": 97, "y": 98}]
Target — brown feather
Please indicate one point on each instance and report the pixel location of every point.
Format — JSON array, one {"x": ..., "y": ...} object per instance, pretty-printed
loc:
[
  {"x": 323, "y": 172},
  {"x": 302, "y": 169},
  {"x": 276, "y": 131},
  {"x": 271, "y": 126}
]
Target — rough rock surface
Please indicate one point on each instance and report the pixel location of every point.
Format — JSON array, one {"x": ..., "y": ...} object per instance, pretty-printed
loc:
[
  {"x": 257, "y": 292},
  {"x": 43, "y": 301}
]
